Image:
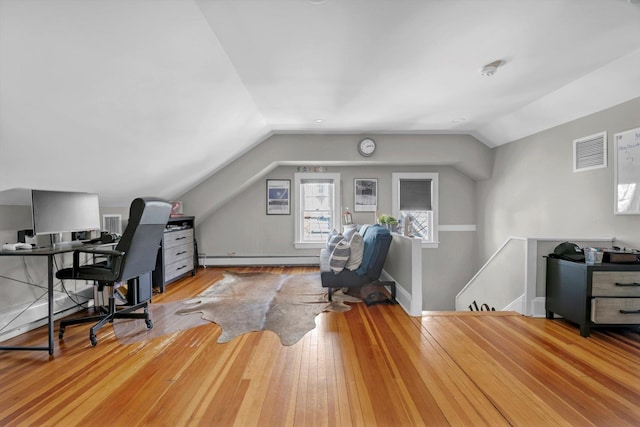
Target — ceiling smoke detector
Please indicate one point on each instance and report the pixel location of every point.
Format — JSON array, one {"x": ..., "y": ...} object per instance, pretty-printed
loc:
[
  {"x": 488, "y": 70},
  {"x": 491, "y": 69}
]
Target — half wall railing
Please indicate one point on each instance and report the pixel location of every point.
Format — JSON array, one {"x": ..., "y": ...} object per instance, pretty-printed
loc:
[{"x": 500, "y": 283}]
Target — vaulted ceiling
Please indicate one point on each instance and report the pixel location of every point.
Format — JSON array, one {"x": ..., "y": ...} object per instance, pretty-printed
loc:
[{"x": 133, "y": 97}]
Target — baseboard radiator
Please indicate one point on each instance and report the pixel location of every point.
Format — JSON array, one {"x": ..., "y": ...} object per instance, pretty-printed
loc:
[
  {"x": 18, "y": 320},
  {"x": 248, "y": 261}
]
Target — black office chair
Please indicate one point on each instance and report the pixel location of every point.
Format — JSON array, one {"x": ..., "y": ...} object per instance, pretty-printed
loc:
[{"x": 134, "y": 255}]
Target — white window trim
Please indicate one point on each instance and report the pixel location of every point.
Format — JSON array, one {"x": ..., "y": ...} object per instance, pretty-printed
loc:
[
  {"x": 395, "y": 197},
  {"x": 297, "y": 203}
]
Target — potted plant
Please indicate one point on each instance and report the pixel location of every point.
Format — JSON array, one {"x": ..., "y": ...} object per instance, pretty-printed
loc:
[{"x": 387, "y": 221}]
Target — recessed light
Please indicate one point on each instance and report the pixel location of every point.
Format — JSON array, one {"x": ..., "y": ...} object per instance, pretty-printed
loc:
[
  {"x": 319, "y": 121},
  {"x": 459, "y": 120}
]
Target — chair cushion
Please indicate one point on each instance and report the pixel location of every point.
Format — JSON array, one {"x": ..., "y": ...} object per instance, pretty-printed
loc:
[
  {"x": 349, "y": 232},
  {"x": 371, "y": 247},
  {"x": 377, "y": 243},
  {"x": 339, "y": 256},
  {"x": 334, "y": 238},
  {"x": 332, "y": 233},
  {"x": 357, "y": 251},
  {"x": 99, "y": 272}
]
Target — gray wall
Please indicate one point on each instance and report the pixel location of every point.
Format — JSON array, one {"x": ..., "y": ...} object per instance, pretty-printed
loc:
[
  {"x": 533, "y": 191},
  {"x": 231, "y": 213},
  {"x": 242, "y": 227},
  {"x": 465, "y": 153},
  {"x": 446, "y": 270},
  {"x": 13, "y": 218}
]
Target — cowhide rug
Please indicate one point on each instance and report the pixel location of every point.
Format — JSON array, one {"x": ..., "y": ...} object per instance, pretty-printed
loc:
[
  {"x": 281, "y": 303},
  {"x": 246, "y": 302}
]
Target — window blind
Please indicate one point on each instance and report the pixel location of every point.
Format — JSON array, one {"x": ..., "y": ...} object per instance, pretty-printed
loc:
[
  {"x": 415, "y": 194},
  {"x": 316, "y": 181}
]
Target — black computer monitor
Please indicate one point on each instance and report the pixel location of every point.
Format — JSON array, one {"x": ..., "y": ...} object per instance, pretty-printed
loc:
[{"x": 57, "y": 212}]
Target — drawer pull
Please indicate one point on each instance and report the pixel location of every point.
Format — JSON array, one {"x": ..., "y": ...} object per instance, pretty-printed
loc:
[
  {"x": 180, "y": 253},
  {"x": 628, "y": 284},
  {"x": 180, "y": 238},
  {"x": 629, "y": 311},
  {"x": 180, "y": 268}
]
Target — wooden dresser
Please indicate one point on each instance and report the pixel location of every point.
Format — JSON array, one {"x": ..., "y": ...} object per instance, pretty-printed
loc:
[
  {"x": 176, "y": 256},
  {"x": 593, "y": 295}
]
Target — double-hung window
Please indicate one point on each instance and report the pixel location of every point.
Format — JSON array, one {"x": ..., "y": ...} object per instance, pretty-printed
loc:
[
  {"x": 317, "y": 208},
  {"x": 415, "y": 200}
]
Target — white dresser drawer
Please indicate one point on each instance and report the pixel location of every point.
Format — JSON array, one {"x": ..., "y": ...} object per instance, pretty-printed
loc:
[
  {"x": 177, "y": 268},
  {"x": 177, "y": 238},
  {"x": 615, "y": 310},
  {"x": 176, "y": 253},
  {"x": 615, "y": 284}
]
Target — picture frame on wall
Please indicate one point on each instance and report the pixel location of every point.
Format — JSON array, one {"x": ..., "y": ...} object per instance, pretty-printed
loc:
[
  {"x": 365, "y": 194},
  {"x": 278, "y": 197}
]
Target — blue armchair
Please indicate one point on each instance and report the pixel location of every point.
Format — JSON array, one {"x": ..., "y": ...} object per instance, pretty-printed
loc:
[{"x": 377, "y": 240}]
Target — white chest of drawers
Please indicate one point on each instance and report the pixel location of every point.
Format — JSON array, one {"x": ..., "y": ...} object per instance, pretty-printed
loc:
[{"x": 176, "y": 257}]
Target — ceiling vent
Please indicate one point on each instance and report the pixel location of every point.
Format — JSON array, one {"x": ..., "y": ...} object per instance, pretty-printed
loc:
[{"x": 590, "y": 152}]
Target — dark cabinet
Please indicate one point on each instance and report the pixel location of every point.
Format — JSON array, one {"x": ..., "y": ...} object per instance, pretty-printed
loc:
[{"x": 593, "y": 295}]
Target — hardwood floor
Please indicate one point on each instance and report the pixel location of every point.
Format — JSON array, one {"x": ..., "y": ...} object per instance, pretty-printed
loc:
[{"x": 369, "y": 366}]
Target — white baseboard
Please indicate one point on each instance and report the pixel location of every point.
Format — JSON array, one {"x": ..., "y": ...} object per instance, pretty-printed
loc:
[
  {"x": 402, "y": 296},
  {"x": 517, "y": 305},
  {"x": 538, "y": 308},
  {"x": 251, "y": 261},
  {"x": 21, "y": 319}
]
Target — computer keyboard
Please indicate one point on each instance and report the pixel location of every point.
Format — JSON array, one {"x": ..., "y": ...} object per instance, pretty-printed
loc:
[
  {"x": 16, "y": 246},
  {"x": 105, "y": 238}
]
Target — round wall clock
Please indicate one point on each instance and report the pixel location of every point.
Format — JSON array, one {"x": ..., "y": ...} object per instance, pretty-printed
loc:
[{"x": 366, "y": 147}]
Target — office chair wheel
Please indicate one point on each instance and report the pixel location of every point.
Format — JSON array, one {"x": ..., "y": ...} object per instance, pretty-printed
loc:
[
  {"x": 149, "y": 324},
  {"x": 61, "y": 333},
  {"x": 93, "y": 339}
]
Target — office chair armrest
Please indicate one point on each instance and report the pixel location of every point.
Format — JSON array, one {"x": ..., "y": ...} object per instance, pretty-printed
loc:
[
  {"x": 111, "y": 254},
  {"x": 99, "y": 251}
]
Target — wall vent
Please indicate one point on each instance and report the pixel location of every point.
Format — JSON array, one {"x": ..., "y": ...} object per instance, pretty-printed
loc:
[
  {"x": 112, "y": 223},
  {"x": 590, "y": 152}
]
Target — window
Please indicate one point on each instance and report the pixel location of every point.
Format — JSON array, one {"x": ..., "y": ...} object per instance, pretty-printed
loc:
[
  {"x": 317, "y": 208},
  {"x": 415, "y": 196}
]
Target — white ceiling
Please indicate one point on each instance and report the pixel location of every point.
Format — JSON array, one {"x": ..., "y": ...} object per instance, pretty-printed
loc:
[
  {"x": 158, "y": 95},
  {"x": 413, "y": 65}
]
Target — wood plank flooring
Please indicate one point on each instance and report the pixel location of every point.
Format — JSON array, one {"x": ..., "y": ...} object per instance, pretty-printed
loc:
[{"x": 369, "y": 366}]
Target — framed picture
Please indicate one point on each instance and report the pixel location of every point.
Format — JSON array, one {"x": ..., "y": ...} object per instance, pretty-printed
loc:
[
  {"x": 176, "y": 208},
  {"x": 278, "y": 197},
  {"x": 365, "y": 195}
]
